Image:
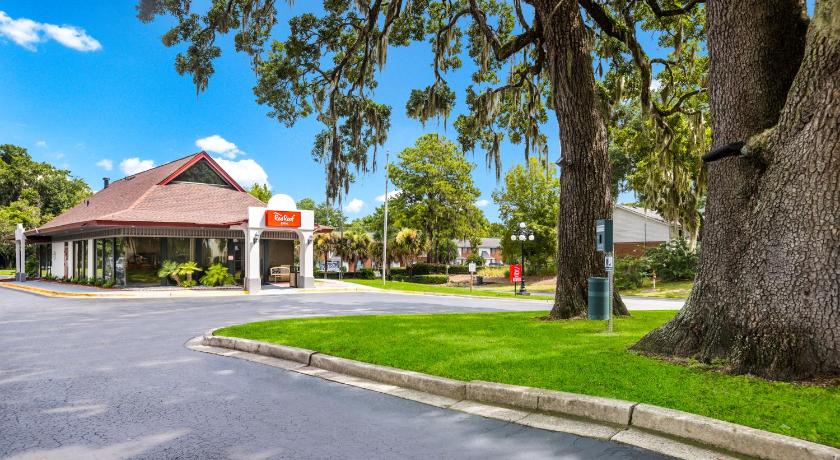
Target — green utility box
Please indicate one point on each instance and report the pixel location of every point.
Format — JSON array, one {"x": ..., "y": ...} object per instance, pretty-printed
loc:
[{"x": 599, "y": 298}]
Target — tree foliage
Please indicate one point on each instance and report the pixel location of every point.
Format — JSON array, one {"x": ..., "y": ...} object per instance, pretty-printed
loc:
[
  {"x": 32, "y": 193},
  {"x": 325, "y": 214},
  {"x": 326, "y": 65},
  {"x": 531, "y": 194},
  {"x": 664, "y": 166},
  {"x": 437, "y": 191},
  {"x": 261, "y": 192}
]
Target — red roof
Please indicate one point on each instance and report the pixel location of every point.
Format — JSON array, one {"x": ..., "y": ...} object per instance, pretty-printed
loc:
[{"x": 150, "y": 198}]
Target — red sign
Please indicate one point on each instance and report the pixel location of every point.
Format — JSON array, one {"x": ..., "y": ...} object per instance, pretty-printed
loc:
[
  {"x": 515, "y": 273},
  {"x": 282, "y": 218}
]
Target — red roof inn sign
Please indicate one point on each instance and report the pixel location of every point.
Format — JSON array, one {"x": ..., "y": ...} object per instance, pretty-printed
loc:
[{"x": 282, "y": 219}]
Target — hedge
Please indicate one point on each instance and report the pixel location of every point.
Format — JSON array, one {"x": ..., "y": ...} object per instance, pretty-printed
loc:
[
  {"x": 423, "y": 268},
  {"x": 421, "y": 279}
]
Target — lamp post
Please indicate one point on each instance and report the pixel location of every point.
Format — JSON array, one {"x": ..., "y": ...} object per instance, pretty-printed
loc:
[{"x": 522, "y": 233}]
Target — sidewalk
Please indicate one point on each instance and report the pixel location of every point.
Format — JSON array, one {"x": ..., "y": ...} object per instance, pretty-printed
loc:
[{"x": 54, "y": 289}]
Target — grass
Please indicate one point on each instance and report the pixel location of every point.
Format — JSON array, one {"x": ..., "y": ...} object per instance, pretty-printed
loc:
[
  {"x": 440, "y": 289},
  {"x": 664, "y": 290},
  {"x": 5, "y": 271},
  {"x": 543, "y": 290},
  {"x": 574, "y": 356}
]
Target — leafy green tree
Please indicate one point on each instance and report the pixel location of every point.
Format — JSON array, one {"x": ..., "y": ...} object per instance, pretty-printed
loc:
[
  {"x": 527, "y": 61},
  {"x": 261, "y": 192},
  {"x": 664, "y": 167},
  {"x": 496, "y": 229},
  {"x": 324, "y": 244},
  {"x": 531, "y": 194},
  {"x": 325, "y": 214},
  {"x": 438, "y": 193},
  {"x": 407, "y": 246},
  {"x": 32, "y": 193}
]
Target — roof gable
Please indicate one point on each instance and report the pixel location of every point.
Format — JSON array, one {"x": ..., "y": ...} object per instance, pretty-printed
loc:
[
  {"x": 155, "y": 196},
  {"x": 197, "y": 161}
]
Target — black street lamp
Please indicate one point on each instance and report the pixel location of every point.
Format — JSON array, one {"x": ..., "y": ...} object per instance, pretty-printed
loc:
[{"x": 522, "y": 233}]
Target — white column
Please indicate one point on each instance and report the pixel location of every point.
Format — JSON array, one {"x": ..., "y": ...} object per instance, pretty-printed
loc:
[
  {"x": 253, "y": 278},
  {"x": 306, "y": 277},
  {"x": 20, "y": 253},
  {"x": 91, "y": 257}
]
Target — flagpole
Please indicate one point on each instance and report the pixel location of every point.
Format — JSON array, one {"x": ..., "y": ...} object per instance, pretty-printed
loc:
[{"x": 385, "y": 223}]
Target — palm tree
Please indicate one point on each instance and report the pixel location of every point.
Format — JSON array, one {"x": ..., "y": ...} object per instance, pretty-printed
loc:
[
  {"x": 359, "y": 247},
  {"x": 408, "y": 245},
  {"x": 324, "y": 244}
]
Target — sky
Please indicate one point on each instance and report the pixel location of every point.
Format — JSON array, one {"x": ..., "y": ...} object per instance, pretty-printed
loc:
[{"x": 89, "y": 88}]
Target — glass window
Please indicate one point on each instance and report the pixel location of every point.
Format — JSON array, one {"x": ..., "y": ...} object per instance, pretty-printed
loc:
[
  {"x": 202, "y": 173},
  {"x": 80, "y": 258},
  {"x": 142, "y": 257},
  {"x": 108, "y": 256},
  {"x": 97, "y": 259},
  {"x": 213, "y": 251},
  {"x": 178, "y": 249},
  {"x": 119, "y": 262}
]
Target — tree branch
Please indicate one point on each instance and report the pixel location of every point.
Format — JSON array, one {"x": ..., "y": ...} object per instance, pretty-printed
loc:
[
  {"x": 500, "y": 51},
  {"x": 660, "y": 13}
]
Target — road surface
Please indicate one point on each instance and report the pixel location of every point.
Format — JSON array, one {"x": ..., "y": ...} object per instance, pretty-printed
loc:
[{"x": 107, "y": 378}]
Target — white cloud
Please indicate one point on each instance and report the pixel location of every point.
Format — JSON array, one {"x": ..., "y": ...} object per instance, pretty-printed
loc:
[
  {"x": 245, "y": 172},
  {"x": 219, "y": 145},
  {"x": 354, "y": 206},
  {"x": 42, "y": 144},
  {"x": 72, "y": 37},
  {"x": 482, "y": 203},
  {"x": 391, "y": 195},
  {"x": 27, "y": 33},
  {"x": 105, "y": 164},
  {"x": 131, "y": 166}
]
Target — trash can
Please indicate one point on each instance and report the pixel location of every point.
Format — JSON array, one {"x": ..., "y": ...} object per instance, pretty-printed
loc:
[{"x": 599, "y": 298}]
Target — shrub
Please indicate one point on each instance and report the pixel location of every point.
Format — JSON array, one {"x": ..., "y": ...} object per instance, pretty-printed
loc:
[
  {"x": 477, "y": 259},
  {"x": 365, "y": 274},
  {"x": 217, "y": 275},
  {"x": 187, "y": 269},
  {"x": 396, "y": 271},
  {"x": 673, "y": 261},
  {"x": 108, "y": 284},
  {"x": 189, "y": 283},
  {"x": 422, "y": 279},
  {"x": 169, "y": 269},
  {"x": 458, "y": 270},
  {"x": 423, "y": 268},
  {"x": 630, "y": 272}
]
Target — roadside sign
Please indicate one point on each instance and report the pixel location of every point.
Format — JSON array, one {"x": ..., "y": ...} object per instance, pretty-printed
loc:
[
  {"x": 515, "y": 273},
  {"x": 471, "y": 267},
  {"x": 608, "y": 263}
]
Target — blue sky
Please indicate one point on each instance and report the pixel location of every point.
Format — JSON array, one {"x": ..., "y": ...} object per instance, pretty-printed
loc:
[{"x": 88, "y": 87}]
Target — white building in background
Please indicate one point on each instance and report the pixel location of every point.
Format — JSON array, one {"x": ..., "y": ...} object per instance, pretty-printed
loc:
[{"x": 635, "y": 229}]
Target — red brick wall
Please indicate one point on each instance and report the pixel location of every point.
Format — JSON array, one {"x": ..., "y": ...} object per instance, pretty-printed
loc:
[{"x": 634, "y": 249}]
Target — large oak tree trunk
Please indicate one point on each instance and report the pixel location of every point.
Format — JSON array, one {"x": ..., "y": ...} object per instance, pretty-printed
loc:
[
  {"x": 767, "y": 295},
  {"x": 585, "y": 175}
]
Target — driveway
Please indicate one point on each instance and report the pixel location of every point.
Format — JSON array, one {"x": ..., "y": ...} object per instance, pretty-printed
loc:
[{"x": 83, "y": 378}]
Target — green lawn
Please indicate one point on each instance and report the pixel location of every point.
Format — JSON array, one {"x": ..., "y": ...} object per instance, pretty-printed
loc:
[
  {"x": 543, "y": 290},
  {"x": 664, "y": 289},
  {"x": 5, "y": 271},
  {"x": 440, "y": 289},
  {"x": 574, "y": 356}
]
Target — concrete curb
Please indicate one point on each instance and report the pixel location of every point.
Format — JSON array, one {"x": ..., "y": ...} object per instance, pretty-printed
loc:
[
  {"x": 120, "y": 294},
  {"x": 51, "y": 293},
  {"x": 636, "y": 419}
]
